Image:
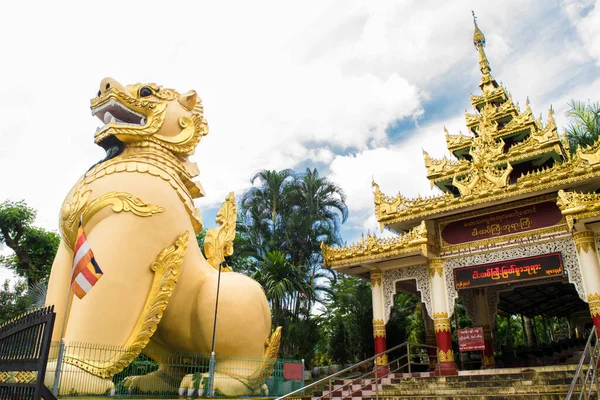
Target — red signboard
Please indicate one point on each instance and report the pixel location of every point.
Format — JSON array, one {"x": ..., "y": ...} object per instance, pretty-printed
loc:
[
  {"x": 521, "y": 219},
  {"x": 292, "y": 371},
  {"x": 470, "y": 339},
  {"x": 519, "y": 270}
]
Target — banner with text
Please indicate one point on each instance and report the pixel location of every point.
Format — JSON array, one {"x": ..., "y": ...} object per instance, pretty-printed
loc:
[
  {"x": 519, "y": 270},
  {"x": 470, "y": 339},
  {"x": 521, "y": 219}
]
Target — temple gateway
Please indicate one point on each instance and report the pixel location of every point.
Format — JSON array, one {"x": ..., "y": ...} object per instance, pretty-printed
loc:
[{"x": 515, "y": 229}]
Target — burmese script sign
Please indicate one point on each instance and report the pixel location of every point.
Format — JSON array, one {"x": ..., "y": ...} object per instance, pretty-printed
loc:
[
  {"x": 520, "y": 270},
  {"x": 470, "y": 339},
  {"x": 521, "y": 219}
]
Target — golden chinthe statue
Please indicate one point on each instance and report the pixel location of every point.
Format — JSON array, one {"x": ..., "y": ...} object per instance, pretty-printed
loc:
[{"x": 158, "y": 291}]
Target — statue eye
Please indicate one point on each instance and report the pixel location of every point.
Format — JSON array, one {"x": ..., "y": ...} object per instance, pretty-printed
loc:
[{"x": 145, "y": 91}]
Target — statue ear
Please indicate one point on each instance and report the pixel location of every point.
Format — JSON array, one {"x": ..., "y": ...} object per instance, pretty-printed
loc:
[{"x": 189, "y": 99}]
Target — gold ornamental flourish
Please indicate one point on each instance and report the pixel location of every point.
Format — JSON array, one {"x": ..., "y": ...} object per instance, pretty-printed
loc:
[
  {"x": 166, "y": 273},
  {"x": 441, "y": 322},
  {"x": 120, "y": 202},
  {"x": 381, "y": 360},
  {"x": 446, "y": 356},
  {"x": 218, "y": 243},
  {"x": 372, "y": 248},
  {"x": 584, "y": 241},
  {"x": 578, "y": 206},
  {"x": 594, "y": 304},
  {"x": 378, "y": 328}
]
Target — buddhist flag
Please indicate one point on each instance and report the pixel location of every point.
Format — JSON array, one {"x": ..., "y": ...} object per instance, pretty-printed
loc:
[{"x": 86, "y": 271}]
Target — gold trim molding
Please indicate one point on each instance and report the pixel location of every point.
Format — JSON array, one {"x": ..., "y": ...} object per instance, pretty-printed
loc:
[
  {"x": 584, "y": 241},
  {"x": 441, "y": 322},
  {"x": 594, "y": 304},
  {"x": 378, "y": 328},
  {"x": 78, "y": 205},
  {"x": 435, "y": 266},
  {"x": 166, "y": 273},
  {"x": 376, "y": 279}
]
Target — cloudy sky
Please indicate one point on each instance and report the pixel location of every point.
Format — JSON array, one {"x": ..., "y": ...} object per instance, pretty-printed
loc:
[{"x": 353, "y": 88}]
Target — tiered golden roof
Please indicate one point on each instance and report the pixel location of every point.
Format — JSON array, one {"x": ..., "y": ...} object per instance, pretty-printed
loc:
[
  {"x": 503, "y": 155},
  {"x": 507, "y": 155}
]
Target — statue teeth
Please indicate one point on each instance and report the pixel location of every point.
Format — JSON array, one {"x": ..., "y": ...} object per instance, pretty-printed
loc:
[
  {"x": 143, "y": 121},
  {"x": 108, "y": 117}
]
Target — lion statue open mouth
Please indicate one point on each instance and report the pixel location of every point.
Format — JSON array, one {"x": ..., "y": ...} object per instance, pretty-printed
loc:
[{"x": 157, "y": 292}]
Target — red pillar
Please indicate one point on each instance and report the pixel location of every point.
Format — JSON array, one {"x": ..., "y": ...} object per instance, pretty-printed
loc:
[
  {"x": 594, "y": 304},
  {"x": 488, "y": 353},
  {"x": 380, "y": 346},
  {"x": 443, "y": 339}
]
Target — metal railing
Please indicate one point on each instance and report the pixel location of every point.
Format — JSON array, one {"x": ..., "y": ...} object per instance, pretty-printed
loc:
[
  {"x": 156, "y": 373},
  {"x": 368, "y": 373},
  {"x": 586, "y": 375}
]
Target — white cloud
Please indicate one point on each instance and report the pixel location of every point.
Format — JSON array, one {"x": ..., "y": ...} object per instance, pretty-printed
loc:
[{"x": 283, "y": 84}]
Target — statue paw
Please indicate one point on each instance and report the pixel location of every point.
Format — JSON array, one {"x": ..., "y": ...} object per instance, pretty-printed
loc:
[
  {"x": 195, "y": 385},
  {"x": 75, "y": 381},
  {"x": 154, "y": 382}
]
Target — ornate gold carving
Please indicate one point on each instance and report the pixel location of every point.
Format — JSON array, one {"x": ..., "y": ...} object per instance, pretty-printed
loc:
[
  {"x": 378, "y": 328},
  {"x": 441, "y": 322},
  {"x": 80, "y": 205},
  {"x": 166, "y": 273},
  {"x": 435, "y": 266},
  {"x": 145, "y": 158},
  {"x": 371, "y": 247},
  {"x": 375, "y": 277},
  {"x": 381, "y": 360},
  {"x": 584, "y": 241},
  {"x": 446, "y": 356},
  {"x": 578, "y": 206},
  {"x": 218, "y": 243},
  {"x": 594, "y": 304},
  {"x": 18, "y": 376}
]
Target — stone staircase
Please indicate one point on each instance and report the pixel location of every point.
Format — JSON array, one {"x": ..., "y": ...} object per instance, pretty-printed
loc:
[{"x": 550, "y": 382}]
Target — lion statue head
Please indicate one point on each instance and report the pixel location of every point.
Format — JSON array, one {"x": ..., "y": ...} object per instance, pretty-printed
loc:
[{"x": 147, "y": 112}]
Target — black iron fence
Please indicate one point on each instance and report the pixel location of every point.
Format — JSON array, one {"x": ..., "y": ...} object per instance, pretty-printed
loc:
[{"x": 24, "y": 347}]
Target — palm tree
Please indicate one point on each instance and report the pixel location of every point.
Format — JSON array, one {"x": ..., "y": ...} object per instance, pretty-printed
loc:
[
  {"x": 322, "y": 205},
  {"x": 584, "y": 124},
  {"x": 282, "y": 282}
]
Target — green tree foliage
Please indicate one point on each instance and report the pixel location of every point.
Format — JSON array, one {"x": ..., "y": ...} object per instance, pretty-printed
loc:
[
  {"x": 584, "y": 123},
  {"x": 282, "y": 221},
  {"x": 34, "y": 248},
  {"x": 13, "y": 300}
]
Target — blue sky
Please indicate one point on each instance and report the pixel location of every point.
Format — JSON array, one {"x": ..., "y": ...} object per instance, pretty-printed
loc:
[{"x": 354, "y": 88}]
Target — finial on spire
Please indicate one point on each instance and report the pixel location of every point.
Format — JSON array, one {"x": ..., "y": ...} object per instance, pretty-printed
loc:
[{"x": 477, "y": 35}]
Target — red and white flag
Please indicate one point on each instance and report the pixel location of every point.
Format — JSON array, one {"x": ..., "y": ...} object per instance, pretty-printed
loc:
[{"x": 86, "y": 271}]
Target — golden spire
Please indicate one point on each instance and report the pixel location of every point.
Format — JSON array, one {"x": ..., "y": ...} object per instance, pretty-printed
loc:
[{"x": 487, "y": 81}]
